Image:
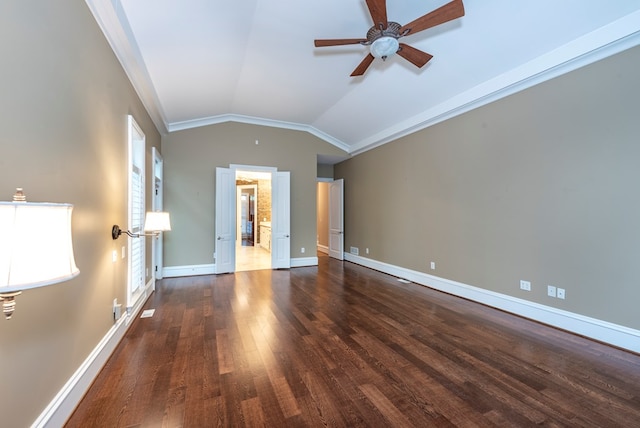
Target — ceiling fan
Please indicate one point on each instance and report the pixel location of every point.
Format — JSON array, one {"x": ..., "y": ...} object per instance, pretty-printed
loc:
[{"x": 382, "y": 38}]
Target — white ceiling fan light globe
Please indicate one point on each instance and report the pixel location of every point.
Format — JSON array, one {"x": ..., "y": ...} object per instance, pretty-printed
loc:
[{"x": 384, "y": 46}]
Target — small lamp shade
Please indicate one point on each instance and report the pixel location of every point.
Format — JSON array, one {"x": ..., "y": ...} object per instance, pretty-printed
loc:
[
  {"x": 36, "y": 248},
  {"x": 157, "y": 221}
]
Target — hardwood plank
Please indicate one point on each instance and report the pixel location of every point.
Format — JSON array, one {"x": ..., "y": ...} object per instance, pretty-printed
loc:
[
  {"x": 252, "y": 413},
  {"x": 386, "y": 407},
  {"x": 225, "y": 359}
]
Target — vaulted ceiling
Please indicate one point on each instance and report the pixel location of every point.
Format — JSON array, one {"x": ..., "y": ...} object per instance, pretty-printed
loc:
[{"x": 200, "y": 62}]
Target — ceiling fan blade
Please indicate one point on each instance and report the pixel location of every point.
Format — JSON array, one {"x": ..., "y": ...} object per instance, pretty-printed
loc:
[
  {"x": 413, "y": 55},
  {"x": 449, "y": 11},
  {"x": 336, "y": 42},
  {"x": 378, "y": 11},
  {"x": 360, "y": 69}
]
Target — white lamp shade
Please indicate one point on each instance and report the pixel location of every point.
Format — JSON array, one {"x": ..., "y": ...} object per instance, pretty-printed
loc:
[
  {"x": 157, "y": 221},
  {"x": 36, "y": 248},
  {"x": 384, "y": 46}
]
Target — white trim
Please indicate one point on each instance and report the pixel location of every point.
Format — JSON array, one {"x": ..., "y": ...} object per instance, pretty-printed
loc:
[
  {"x": 210, "y": 269},
  {"x": 113, "y": 22},
  {"x": 213, "y": 120},
  {"x": 304, "y": 261},
  {"x": 148, "y": 289},
  {"x": 136, "y": 208},
  {"x": 68, "y": 398},
  {"x": 188, "y": 270},
  {"x": 603, "y": 331},
  {"x": 323, "y": 249}
]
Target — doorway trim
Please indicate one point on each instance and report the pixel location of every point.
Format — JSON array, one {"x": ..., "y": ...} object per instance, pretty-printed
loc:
[{"x": 232, "y": 171}]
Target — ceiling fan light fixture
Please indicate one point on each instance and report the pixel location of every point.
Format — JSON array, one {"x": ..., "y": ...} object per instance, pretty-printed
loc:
[{"x": 384, "y": 47}]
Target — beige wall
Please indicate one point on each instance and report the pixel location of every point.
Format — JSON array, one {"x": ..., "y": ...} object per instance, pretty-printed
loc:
[
  {"x": 542, "y": 186},
  {"x": 191, "y": 157},
  {"x": 63, "y": 127},
  {"x": 325, "y": 171}
]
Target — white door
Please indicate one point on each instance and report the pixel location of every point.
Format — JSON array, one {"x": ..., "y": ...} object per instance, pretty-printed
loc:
[
  {"x": 336, "y": 219},
  {"x": 280, "y": 221},
  {"x": 156, "y": 243},
  {"x": 225, "y": 220}
]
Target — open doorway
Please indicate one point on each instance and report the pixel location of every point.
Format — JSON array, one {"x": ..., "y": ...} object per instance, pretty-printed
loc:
[
  {"x": 253, "y": 220},
  {"x": 330, "y": 218},
  {"x": 275, "y": 225}
]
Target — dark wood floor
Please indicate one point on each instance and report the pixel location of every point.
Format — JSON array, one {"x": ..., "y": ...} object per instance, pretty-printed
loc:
[{"x": 344, "y": 346}]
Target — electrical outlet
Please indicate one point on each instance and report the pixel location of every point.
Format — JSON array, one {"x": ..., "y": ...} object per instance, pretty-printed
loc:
[
  {"x": 124, "y": 252},
  {"x": 302, "y": 250},
  {"x": 114, "y": 256},
  {"x": 560, "y": 293},
  {"x": 551, "y": 291},
  {"x": 525, "y": 285},
  {"x": 366, "y": 251},
  {"x": 433, "y": 265}
]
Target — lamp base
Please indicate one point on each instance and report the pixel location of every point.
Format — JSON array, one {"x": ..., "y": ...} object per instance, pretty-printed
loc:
[{"x": 9, "y": 303}]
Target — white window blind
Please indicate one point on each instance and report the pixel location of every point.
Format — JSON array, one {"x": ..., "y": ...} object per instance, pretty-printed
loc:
[
  {"x": 137, "y": 224},
  {"x": 135, "y": 288}
]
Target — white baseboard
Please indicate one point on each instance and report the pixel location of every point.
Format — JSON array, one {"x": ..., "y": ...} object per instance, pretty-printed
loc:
[
  {"x": 603, "y": 331},
  {"x": 64, "y": 403},
  {"x": 193, "y": 270},
  {"x": 304, "y": 261},
  {"x": 323, "y": 249},
  {"x": 188, "y": 270}
]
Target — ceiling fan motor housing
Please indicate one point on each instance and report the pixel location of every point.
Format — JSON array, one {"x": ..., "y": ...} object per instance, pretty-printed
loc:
[{"x": 375, "y": 32}]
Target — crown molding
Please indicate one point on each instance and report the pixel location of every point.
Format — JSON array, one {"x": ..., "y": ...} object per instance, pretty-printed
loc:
[
  {"x": 212, "y": 120},
  {"x": 604, "y": 42},
  {"x": 112, "y": 20}
]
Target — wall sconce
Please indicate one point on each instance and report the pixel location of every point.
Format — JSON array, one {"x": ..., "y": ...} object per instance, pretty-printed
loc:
[
  {"x": 154, "y": 223},
  {"x": 36, "y": 248}
]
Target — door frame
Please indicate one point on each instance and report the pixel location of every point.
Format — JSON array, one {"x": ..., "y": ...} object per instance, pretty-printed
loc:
[
  {"x": 336, "y": 219},
  {"x": 233, "y": 168},
  {"x": 157, "y": 204}
]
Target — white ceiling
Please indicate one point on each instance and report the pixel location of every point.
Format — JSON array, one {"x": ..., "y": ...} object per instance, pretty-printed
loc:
[{"x": 199, "y": 62}]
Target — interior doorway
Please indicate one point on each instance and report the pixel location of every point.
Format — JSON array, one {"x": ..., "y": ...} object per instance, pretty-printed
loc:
[
  {"x": 276, "y": 225},
  {"x": 330, "y": 217},
  {"x": 253, "y": 220}
]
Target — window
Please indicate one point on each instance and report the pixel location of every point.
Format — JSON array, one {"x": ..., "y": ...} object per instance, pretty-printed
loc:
[{"x": 136, "y": 213}]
